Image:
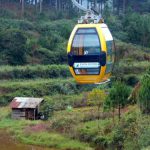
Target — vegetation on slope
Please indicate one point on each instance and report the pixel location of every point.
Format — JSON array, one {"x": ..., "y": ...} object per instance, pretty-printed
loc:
[{"x": 33, "y": 55}]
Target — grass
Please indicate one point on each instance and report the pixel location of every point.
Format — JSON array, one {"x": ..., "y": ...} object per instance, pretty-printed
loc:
[
  {"x": 46, "y": 138},
  {"x": 4, "y": 112},
  {"x": 54, "y": 140},
  {"x": 94, "y": 128},
  {"x": 23, "y": 83},
  {"x": 92, "y": 125},
  {"x": 39, "y": 88},
  {"x": 136, "y": 67},
  {"x": 100, "y": 133}
]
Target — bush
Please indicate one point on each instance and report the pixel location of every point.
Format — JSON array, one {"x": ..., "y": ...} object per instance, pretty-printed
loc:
[
  {"x": 131, "y": 80},
  {"x": 33, "y": 72},
  {"x": 65, "y": 123},
  {"x": 144, "y": 94},
  {"x": 7, "y": 13},
  {"x": 41, "y": 88},
  {"x": 61, "y": 102},
  {"x": 13, "y": 45},
  {"x": 137, "y": 28}
]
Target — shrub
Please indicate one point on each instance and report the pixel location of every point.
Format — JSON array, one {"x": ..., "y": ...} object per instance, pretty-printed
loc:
[
  {"x": 7, "y": 13},
  {"x": 13, "y": 46},
  {"x": 144, "y": 94},
  {"x": 65, "y": 123},
  {"x": 132, "y": 80},
  {"x": 35, "y": 71}
]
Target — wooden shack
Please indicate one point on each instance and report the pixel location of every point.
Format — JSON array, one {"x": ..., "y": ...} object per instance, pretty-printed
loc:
[{"x": 25, "y": 108}]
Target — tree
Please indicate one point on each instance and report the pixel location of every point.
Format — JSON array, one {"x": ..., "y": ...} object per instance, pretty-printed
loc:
[
  {"x": 97, "y": 97},
  {"x": 13, "y": 47},
  {"x": 144, "y": 94},
  {"x": 118, "y": 97},
  {"x": 137, "y": 28}
]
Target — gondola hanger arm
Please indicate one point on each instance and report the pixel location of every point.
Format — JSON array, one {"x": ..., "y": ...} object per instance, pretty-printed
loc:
[{"x": 91, "y": 16}]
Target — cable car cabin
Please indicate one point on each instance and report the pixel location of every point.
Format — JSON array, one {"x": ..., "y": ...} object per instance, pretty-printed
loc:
[{"x": 90, "y": 53}]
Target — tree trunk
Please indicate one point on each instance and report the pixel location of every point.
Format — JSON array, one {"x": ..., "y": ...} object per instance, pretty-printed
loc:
[
  {"x": 41, "y": 6},
  {"x": 22, "y": 8},
  {"x": 113, "y": 5},
  {"x": 95, "y": 3},
  {"x": 36, "y": 5},
  {"x": 119, "y": 112},
  {"x": 118, "y": 7},
  {"x": 113, "y": 115},
  {"x": 124, "y": 6},
  {"x": 98, "y": 116}
]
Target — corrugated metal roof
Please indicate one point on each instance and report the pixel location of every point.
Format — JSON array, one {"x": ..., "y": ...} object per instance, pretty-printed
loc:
[{"x": 25, "y": 102}]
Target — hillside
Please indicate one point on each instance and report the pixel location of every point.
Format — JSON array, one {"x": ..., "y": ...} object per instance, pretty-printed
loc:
[{"x": 33, "y": 63}]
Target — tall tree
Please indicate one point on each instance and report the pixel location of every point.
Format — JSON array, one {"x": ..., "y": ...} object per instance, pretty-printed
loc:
[{"x": 118, "y": 97}]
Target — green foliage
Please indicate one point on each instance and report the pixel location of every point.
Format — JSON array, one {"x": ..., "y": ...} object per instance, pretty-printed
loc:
[
  {"x": 65, "y": 123},
  {"x": 96, "y": 97},
  {"x": 90, "y": 132},
  {"x": 36, "y": 88},
  {"x": 13, "y": 24},
  {"x": 118, "y": 96},
  {"x": 18, "y": 128},
  {"x": 53, "y": 140},
  {"x": 41, "y": 88},
  {"x": 144, "y": 132},
  {"x": 144, "y": 94},
  {"x": 137, "y": 28},
  {"x": 132, "y": 80},
  {"x": 5, "y": 113},
  {"x": 34, "y": 71},
  {"x": 45, "y": 41},
  {"x": 7, "y": 13},
  {"x": 13, "y": 47},
  {"x": 61, "y": 102}
]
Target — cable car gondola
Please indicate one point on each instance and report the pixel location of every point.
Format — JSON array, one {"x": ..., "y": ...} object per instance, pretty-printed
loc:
[
  {"x": 90, "y": 49},
  {"x": 90, "y": 53}
]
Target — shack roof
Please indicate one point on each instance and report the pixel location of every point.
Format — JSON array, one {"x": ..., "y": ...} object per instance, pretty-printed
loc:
[{"x": 25, "y": 102}]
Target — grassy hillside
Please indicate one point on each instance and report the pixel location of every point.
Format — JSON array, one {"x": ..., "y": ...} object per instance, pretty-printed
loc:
[{"x": 33, "y": 63}]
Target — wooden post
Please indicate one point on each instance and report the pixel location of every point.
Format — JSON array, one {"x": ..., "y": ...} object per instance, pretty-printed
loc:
[{"x": 34, "y": 114}]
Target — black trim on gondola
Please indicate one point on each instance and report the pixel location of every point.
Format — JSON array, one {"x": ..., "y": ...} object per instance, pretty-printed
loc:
[{"x": 87, "y": 58}]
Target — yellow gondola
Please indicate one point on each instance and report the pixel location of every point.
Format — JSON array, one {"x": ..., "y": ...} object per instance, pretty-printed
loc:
[{"x": 91, "y": 53}]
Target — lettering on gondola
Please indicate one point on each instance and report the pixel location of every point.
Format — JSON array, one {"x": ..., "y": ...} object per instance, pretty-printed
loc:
[{"x": 87, "y": 65}]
